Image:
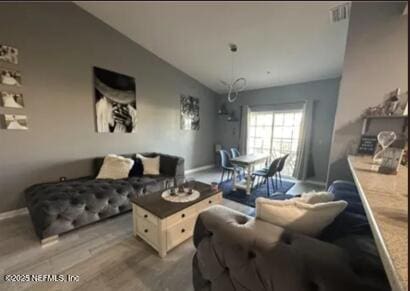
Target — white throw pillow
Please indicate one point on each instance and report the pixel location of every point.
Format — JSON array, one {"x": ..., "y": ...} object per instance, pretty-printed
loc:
[
  {"x": 151, "y": 165},
  {"x": 297, "y": 215},
  {"x": 115, "y": 167},
  {"x": 317, "y": 197}
]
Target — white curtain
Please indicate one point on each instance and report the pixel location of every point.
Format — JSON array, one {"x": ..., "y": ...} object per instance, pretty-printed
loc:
[
  {"x": 243, "y": 129},
  {"x": 304, "y": 150}
]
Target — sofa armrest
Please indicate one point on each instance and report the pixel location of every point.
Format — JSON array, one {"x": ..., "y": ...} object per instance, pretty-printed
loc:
[
  {"x": 172, "y": 166},
  {"x": 177, "y": 168},
  {"x": 237, "y": 252}
]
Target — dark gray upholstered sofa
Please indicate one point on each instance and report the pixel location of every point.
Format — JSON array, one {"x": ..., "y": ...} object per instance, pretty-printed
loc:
[
  {"x": 238, "y": 252},
  {"x": 59, "y": 207}
]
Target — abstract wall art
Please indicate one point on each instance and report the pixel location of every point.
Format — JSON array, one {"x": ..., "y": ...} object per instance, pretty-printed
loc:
[{"x": 189, "y": 113}]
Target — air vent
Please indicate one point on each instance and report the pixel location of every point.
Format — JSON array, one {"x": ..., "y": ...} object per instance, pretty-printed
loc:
[{"x": 340, "y": 13}]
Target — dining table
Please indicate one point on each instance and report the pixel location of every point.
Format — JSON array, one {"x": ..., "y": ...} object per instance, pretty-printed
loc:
[{"x": 247, "y": 162}]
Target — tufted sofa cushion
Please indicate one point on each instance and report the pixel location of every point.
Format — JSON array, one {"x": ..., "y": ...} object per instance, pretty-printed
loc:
[
  {"x": 237, "y": 252},
  {"x": 60, "y": 207},
  {"x": 56, "y": 208}
]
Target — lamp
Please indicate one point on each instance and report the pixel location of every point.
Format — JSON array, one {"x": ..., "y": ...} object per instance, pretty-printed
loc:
[{"x": 237, "y": 85}]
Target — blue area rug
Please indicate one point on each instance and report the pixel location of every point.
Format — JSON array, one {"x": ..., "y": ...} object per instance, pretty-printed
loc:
[{"x": 260, "y": 191}]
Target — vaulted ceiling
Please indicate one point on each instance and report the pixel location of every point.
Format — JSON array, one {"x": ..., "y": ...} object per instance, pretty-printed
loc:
[{"x": 278, "y": 42}]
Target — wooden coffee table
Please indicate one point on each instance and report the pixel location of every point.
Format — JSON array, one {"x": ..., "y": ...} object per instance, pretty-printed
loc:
[{"x": 163, "y": 224}]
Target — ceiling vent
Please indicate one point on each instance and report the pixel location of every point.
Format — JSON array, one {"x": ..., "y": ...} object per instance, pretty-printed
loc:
[{"x": 340, "y": 12}]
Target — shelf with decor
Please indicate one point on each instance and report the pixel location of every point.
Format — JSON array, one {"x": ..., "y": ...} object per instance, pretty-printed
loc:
[
  {"x": 367, "y": 120},
  {"x": 230, "y": 116}
]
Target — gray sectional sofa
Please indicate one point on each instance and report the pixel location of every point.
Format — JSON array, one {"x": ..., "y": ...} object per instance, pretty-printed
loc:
[
  {"x": 59, "y": 207},
  {"x": 239, "y": 252}
]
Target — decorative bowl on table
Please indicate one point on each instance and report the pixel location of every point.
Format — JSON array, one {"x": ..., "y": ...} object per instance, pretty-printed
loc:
[{"x": 180, "y": 197}]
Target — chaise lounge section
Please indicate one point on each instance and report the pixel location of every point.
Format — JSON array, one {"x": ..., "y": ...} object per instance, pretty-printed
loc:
[{"x": 58, "y": 207}]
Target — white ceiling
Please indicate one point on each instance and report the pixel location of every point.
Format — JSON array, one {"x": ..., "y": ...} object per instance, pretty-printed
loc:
[{"x": 295, "y": 41}]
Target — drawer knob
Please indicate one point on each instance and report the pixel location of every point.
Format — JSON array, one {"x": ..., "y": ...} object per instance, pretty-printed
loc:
[
  {"x": 183, "y": 215},
  {"x": 145, "y": 215},
  {"x": 210, "y": 201},
  {"x": 182, "y": 230},
  {"x": 145, "y": 230}
]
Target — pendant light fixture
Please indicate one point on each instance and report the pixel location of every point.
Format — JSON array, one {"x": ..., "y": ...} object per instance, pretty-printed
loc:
[{"x": 236, "y": 85}]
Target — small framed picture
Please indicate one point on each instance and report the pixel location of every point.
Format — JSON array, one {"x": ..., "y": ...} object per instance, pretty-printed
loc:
[
  {"x": 9, "y": 54},
  {"x": 10, "y": 77},
  {"x": 11, "y": 121},
  {"x": 368, "y": 145},
  {"x": 11, "y": 99}
]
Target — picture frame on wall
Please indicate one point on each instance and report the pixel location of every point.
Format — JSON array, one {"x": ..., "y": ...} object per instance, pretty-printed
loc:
[
  {"x": 13, "y": 122},
  {"x": 10, "y": 77},
  {"x": 115, "y": 101},
  {"x": 11, "y": 99},
  {"x": 9, "y": 54},
  {"x": 189, "y": 113}
]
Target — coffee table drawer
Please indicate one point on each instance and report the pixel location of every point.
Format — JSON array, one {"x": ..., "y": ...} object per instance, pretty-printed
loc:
[
  {"x": 145, "y": 215},
  {"x": 147, "y": 230},
  {"x": 180, "y": 232},
  {"x": 204, "y": 204},
  {"x": 181, "y": 216}
]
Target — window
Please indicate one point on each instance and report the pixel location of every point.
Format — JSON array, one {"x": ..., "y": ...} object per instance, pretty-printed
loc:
[{"x": 275, "y": 133}]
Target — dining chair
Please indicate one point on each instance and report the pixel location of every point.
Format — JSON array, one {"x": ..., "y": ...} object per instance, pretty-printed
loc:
[
  {"x": 226, "y": 164},
  {"x": 235, "y": 153},
  {"x": 268, "y": 175},
  {"x": 280, "y": 167}
]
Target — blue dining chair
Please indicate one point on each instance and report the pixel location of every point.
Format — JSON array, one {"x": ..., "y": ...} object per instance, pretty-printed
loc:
[
  {"x": 235, "y": 153},
  {"x": 226, "y": 164},
  {"x": 280, "y": 167},
  {"x": 267, "y": 175}
]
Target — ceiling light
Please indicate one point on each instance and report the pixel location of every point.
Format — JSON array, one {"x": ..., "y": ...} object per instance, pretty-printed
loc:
[{"x": 235, "y": 85}]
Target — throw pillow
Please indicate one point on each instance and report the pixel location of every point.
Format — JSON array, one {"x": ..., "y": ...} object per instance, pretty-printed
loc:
[
  {"x": 297, "y": 215},
  {"x": 317, "y": 197},
  {"x": 115, "y": 167},
  {"x": 138, "y": 169},
  {"x": 150, "y": 165}
]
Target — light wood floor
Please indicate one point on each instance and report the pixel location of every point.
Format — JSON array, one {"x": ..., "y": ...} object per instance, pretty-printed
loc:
[{"x": 105, "y": 256}]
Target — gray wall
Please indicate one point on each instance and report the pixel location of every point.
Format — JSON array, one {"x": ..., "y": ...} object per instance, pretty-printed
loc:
[
  {"x": 375, "y": 64},
  {"x": 325, "y": 95},
  {"x": 59, "y": 44}
]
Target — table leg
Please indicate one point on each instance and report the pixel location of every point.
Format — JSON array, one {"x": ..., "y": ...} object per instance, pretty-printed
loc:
[
  {"x": 234, "y": 178},
  {"x": 249, "y": 180}
]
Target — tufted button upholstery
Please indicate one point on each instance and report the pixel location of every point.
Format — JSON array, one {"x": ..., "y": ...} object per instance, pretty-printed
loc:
[
  {"x": 56, "y": 208},
  {"x": 59, "y": 207},
  {"x": 244, "y": 253},
  {"x": 63, "y": 206}
]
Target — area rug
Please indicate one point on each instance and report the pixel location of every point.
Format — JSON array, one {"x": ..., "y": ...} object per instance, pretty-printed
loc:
[{"x": 239, "y": 195}]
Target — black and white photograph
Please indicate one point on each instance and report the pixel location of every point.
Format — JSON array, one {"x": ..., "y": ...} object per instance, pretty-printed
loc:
[
  {"x": 9, "y": 54},
  {"x": 11, "y": 121},
  {"x": 115, "y": 101},
  {"x": 189, "y": 113},
  {"x": 10, "y": 77},
  {"x": 11, "y": 99}
]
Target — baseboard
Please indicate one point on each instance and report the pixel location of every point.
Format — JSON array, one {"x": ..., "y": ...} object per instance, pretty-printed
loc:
[
  {"x": 316, "y": 183},
  {"x": 190, "y": 171},
  {"x": 13, "y": 213}
]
